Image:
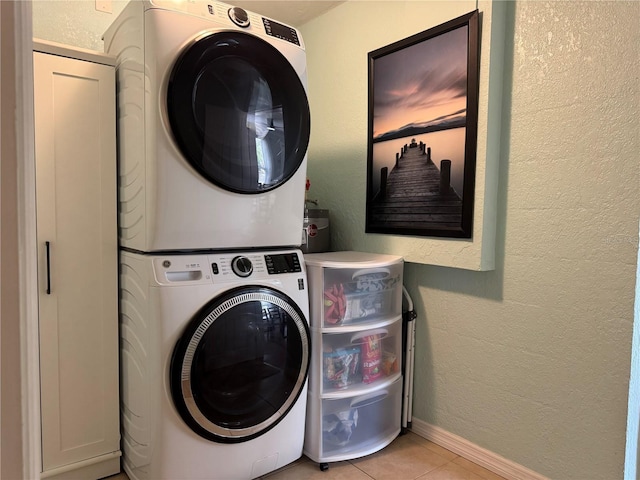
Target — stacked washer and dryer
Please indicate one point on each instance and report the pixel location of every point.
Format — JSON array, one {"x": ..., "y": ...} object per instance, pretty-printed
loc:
[{"x": 213, "y": 127}]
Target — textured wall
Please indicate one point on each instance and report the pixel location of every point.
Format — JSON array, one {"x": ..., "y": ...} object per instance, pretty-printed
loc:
[
  {"x": 530, "y": 361},
  {"x": 73, "y": 22}
]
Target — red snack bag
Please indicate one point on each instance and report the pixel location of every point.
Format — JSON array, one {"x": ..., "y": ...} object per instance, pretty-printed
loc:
[
  {"x": 371, "y": 358},
  {"x": 334, "y": 304}
]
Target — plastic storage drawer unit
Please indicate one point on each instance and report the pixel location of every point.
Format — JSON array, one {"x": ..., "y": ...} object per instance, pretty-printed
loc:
[{"x": 355, "y": 380}]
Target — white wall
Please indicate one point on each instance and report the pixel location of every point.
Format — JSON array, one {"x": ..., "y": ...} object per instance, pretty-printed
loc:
[
  {"x": 73, "y": 22},
  {"x": 530, "y": 361}
]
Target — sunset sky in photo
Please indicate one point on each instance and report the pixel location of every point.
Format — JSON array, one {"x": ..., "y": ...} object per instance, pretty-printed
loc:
[{"x": 423, "y": 83}]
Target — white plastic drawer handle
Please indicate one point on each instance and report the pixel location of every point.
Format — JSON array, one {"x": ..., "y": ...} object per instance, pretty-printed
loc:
[
  {"x": 369, "y": 399},
  {"x": 360, "y": 337}
]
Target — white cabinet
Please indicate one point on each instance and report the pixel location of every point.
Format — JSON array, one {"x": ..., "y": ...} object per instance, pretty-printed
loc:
[
  {"x": 75, "y": 150},
  {"x": 355, "y": 380}
]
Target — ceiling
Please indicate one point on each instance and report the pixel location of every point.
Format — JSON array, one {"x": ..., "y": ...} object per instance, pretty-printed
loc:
[{"x": 291, "y": 12}]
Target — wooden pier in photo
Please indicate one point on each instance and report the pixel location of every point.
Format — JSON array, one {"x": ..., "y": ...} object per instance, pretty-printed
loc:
[{"x": 416, "y": 193}]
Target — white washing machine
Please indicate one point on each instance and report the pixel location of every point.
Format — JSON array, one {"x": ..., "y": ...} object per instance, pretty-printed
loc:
[
  {"x": 215, "y": 353},
  {"x": 213, "y": 127}
]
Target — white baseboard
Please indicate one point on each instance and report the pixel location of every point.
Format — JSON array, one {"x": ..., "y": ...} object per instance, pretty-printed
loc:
[{"x": 474, "y": 453}]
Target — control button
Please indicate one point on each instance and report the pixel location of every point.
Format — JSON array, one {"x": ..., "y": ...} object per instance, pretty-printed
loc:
[
  {"x": 239, "y": 16},
  {"x": 241, "y": 266},
  {"x": 214, "y": 267}
]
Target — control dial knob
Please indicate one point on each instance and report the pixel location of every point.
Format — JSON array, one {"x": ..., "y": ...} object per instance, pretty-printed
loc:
[
  {"x": 239, "y": 16},
  {"x": 241, "y": 266}
]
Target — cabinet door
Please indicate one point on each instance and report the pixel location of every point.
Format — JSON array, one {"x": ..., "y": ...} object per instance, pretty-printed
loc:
[{"x": 77, "y": 241}]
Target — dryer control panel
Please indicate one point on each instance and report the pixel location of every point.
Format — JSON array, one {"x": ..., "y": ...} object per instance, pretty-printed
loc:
[
  {"x": 240, "y": 17},
  {"x": 281, "y": 31}
]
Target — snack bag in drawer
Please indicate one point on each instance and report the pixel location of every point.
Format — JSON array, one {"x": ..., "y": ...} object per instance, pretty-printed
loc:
[
  {"x": 371, "y": 358},
  {"x": 389, "y": 363},
  {"x": 341, "y": 366},
  {"x": 334, "y": 304}
]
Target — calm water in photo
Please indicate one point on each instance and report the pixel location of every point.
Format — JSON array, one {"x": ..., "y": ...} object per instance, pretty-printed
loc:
[{"x": 445, "y": 144}]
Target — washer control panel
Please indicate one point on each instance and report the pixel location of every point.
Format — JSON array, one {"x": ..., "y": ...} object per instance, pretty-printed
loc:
[
  {"x": 227, "y": 267},
  {"x": 254, "y": 265},
  {"x": 282, "y": 263}
]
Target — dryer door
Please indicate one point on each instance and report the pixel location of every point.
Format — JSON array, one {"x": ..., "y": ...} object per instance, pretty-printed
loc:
[
  {"x": 239, "y": 112},
  {"x": 241, "y": 364}
]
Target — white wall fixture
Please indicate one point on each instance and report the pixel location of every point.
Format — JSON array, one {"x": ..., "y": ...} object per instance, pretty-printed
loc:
[{"x": 104, "y": 6}]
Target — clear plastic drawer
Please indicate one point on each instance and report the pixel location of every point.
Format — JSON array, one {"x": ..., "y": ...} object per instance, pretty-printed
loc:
[
  {"x": 352, "y": 295},
  {"x": 360, "y": 360},
  {"x": 357, "y": 426}
]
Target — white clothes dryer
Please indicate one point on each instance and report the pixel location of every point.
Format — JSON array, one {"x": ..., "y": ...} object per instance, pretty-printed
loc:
[
  {"x": 213, "y": 127},
  {"x": 214, "y": 358}
]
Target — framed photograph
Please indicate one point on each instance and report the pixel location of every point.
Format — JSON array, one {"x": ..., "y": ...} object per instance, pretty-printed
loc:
[{"x": 422, "y": 136}]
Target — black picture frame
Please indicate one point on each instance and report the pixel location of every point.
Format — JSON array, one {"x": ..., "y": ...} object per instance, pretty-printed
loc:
[{"x": 423, "y": 107}]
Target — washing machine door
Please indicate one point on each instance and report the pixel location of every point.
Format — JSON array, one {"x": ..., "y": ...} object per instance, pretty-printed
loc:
[
  {"x": 238, "y": 112},
  {"x": 241, "y": 364}
]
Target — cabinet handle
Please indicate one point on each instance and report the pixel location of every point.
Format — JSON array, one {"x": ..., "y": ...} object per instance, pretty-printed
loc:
[{"x": 48, "y": 246}]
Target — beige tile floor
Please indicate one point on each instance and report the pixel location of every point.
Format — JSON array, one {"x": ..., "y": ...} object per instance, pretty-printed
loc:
[{"x": 408, "y": 457}]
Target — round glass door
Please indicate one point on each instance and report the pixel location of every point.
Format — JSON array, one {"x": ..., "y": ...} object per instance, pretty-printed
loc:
[
  {"x": 238, "y": 112},
  {"x": 241, "y": 364}
]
